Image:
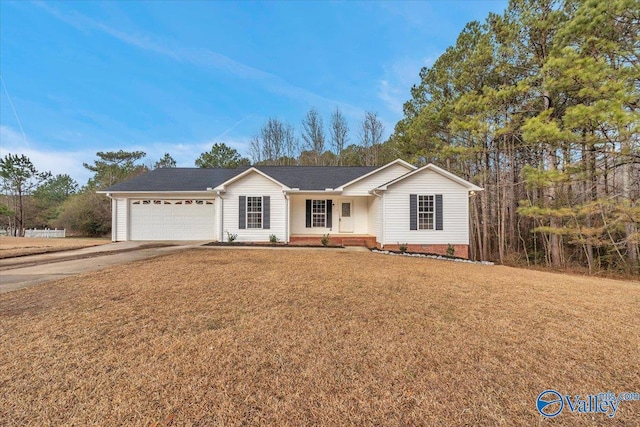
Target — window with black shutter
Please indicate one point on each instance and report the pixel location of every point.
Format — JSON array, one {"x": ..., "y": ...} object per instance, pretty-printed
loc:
[
  {"x": 425, "y": 212},
  {"x": 318, "y": 213},
  {"x": 254, "y": 212}
]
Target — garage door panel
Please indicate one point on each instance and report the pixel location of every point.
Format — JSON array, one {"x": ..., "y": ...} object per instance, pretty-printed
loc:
[{"x": 172, "y": 220}]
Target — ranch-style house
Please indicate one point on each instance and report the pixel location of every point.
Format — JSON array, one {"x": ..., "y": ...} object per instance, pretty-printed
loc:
[{"x": 425, "y": 208}]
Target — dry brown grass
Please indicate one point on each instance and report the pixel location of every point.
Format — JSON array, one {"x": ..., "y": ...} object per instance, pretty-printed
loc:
[
  {"x": 20, "y": 246},
  {"x": 282, "y": 337}
]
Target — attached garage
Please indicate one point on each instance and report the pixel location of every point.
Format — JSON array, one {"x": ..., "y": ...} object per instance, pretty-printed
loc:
[
  {"x": 171, "y": 219},
  {"x": 168, "y": 204}
]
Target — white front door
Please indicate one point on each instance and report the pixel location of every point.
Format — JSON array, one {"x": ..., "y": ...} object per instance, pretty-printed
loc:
[{"x": 346, "y": 216}]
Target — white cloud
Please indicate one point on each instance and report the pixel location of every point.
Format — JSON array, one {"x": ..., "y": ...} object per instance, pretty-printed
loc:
[
  {"x": 395, "y": 87},
  {"x": 413, "y": 14},
  {"x": 70, "y": 162},
  {"x": 184, "y": 154},
  {"x": 201, "y": 57},
  {"x": 56, "y": 161},
  {"x": 392, "y": 95},
  {"x": 236, "y": 124}
]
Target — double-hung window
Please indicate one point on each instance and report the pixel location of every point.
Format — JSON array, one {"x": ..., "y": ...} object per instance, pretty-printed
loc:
[
  {"x": 426, "y": 212},
  {"x": 254, "y": 212},
  {"x": 318, "y": 213}
]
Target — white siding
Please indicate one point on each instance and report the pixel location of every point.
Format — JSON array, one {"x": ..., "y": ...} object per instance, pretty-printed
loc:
[
  {"x": 455, "y": 213},
  {"x": 363, "y": 186},
  {"x": 360, "y": 215},
  {"x": 121, "y": 220},
  {"x": 254, "y": 184},
  {"x": 299, "y": 212}
]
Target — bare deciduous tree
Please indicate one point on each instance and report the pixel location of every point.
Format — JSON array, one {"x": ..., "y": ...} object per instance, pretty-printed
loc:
[
  {"x": 313, "y": 134},
  {"x": 339, "y": 130},
  {"x": 371, "y": 131}
]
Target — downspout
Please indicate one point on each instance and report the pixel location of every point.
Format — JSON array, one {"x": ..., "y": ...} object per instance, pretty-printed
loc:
[
  {"x": 221, "y": 216},
  {"x": 288, "y": 218},
  {"x": 114, "y": 218},
  {"x": 381, "y": 217}
]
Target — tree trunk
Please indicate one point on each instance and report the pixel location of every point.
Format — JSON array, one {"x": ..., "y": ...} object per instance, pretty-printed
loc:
[
  {"x": 589, "y": 196},
  {"x": 554, "y": 238},
  {"x": 485, "y": 226},
  {"x": 512, "y": 200},
  {"x": 554, "y": 223},
  {"x": 20, "y": 213},
  {"x": 629, "y": 227}
]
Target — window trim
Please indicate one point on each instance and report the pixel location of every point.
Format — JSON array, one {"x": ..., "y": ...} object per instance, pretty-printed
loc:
[
  {"x": 323, "y": 214},
  {"x": 432, "y": 212},
  {"x": 246, "y": 213}
]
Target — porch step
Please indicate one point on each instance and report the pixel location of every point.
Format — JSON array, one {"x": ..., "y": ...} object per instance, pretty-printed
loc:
[
  {"x": 354, "y": 242},
  {"x": 305, "y": 241},
  {"x": 357, "y": 241}
]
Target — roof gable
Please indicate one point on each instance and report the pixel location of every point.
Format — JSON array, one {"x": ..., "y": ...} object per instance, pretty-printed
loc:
[
  {"x": 400, "y": 162},
  {"x": 222, "y": 186},
  {"x": 433, "y": 168},
  {"x": 315, "y": 178}
]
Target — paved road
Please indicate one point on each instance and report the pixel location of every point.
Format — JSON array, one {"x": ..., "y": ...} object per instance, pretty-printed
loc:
[{"x": 17, "y": 273}]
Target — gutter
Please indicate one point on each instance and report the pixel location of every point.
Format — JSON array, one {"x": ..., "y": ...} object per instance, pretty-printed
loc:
[
  {"x": 327, "y": 191},
  {"x": 220, "y": 214},
  {"x": 287, "y": 197},
  {"x": 152, "y": 191},
  {"x": 376, "y": 193},
  {"x": 114, "y": 221}
]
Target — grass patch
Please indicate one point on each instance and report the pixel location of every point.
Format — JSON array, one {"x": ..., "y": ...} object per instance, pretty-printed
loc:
[
  {"x": 237, "y": 337},
  {"x": 11, "y": 247}
]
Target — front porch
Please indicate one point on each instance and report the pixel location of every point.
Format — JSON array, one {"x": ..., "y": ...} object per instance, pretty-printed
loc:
[{"x": 364, "y": 240}]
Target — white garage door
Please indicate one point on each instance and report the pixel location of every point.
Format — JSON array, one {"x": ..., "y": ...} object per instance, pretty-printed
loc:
[{"x": 172, "y": 220}]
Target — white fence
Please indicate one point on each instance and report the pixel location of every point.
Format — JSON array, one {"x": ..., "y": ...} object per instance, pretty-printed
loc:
[{"x": 45, "y": 233}]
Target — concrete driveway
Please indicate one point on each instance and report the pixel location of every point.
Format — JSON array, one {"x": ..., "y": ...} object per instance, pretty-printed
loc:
[{"x": 20, "y": 272}]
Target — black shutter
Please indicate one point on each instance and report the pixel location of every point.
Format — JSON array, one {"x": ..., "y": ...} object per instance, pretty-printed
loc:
[
  {"x": 242, "y": 212},
  {"x": 308, "y": 223},
  {"x": 438, "y": 211},
  {"x": 413, "y": 211},
  {"x": 329, "y": 213},
  {"x": 266, "y": 212}
]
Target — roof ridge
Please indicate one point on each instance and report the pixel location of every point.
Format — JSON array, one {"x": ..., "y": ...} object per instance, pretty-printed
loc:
[{"x": 305, "y": 177}]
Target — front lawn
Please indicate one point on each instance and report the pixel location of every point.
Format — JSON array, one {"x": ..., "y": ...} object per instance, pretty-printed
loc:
[
  {"x": 314, "y": 337},
  {"x": 20, "y": 246}
]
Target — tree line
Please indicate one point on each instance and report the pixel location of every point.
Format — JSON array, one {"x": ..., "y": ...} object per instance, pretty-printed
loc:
[
  {"x": 539, "y": 106},
  {"x": 34, "y": 199},
  {"x": 277, "y": 142}
]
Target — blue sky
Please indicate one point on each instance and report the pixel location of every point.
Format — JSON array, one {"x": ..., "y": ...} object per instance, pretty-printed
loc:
[{"x": 160, "y": 76}]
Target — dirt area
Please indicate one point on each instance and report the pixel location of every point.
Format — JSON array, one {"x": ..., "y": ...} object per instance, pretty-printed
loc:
[
  {"x": 314, "y": 337},
  {"x": 21, "y": 246}
]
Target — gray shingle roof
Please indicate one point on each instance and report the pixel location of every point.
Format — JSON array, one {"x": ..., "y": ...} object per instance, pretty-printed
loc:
[
  {"x": 176, "y": 179},
  {"x": 198, "y": 179},
  {"x": 315, "y": 177}
]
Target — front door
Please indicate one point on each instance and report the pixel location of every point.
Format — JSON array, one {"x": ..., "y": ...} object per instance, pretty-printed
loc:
[{"x": 346, "y": 216}]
